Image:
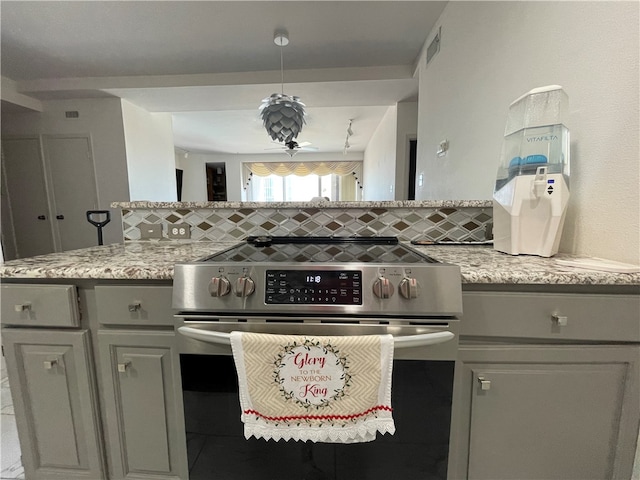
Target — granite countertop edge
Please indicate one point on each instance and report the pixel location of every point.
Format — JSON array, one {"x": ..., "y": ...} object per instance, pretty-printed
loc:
[
  {"x": 479, "y": 264},
  {"x": 327, "y": 204}
]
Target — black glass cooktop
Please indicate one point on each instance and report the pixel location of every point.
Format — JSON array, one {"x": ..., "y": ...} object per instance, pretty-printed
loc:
[{"x": 321, "y": 250}]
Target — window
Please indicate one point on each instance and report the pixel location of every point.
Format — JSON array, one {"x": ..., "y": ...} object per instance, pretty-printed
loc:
[
  {"x": 302, "y": 181},
  {"x": 292, "y": 188}
]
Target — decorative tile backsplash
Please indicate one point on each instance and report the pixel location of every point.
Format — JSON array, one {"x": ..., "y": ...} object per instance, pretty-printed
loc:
[{"x": 438, "y": 221}]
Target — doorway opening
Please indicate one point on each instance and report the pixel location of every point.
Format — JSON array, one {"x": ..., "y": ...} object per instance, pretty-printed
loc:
[
  {"x": 216, "y": 182},
  {"x": 411, "y": 191}
]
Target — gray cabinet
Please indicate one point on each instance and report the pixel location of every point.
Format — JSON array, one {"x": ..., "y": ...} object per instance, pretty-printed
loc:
[
  {"x": 54, "y": 396},
  {"x": 534, "y": 399},
  {"x": 39, "y": 305},
  {"x": 134, "y": 305},
  {"x": 143, "y": 405},
  {"x": 535, "y": 412}
]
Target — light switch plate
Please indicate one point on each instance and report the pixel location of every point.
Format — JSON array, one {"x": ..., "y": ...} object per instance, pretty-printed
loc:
[
  {"x": 178, "y": 231},
  {"x": 148, "y": 231}
]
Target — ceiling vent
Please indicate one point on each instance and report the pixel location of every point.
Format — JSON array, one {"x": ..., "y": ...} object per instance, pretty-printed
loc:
[
  {"x": 72, "y": 114},
  {"x": 434, "y": 46}
]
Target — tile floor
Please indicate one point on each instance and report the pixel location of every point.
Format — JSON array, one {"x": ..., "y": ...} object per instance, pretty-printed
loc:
[{"x": 10, "y": 464}]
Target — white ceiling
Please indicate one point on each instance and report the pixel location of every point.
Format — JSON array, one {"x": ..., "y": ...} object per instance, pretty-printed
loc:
[{"x": 210, "y": 63}]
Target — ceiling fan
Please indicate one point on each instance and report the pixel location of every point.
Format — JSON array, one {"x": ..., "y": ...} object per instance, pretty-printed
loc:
[{"x": 292, "y": 147}]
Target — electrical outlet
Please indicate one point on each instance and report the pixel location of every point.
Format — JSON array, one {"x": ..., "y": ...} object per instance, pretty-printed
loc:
[
  {"x": 179, "y": 231},
  {"x": 148, "y": 231}
]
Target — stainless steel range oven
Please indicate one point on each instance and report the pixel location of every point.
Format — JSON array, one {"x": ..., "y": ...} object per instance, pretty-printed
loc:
[{"x": 319, "y": 286}]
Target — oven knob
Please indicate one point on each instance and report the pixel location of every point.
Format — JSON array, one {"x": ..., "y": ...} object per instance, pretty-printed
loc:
[
  {"x": 409, "y": 288},
  {"x": 382, "y": 288},
  {"x": 244, "y": 286},
  {"x": 219, "y": 287}
]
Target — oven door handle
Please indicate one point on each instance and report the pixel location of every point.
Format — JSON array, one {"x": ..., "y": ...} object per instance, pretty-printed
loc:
[{"x": 419, "y": 340}]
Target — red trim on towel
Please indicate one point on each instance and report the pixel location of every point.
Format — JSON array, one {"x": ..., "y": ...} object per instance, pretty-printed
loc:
[{"x": 319, "y": 417}]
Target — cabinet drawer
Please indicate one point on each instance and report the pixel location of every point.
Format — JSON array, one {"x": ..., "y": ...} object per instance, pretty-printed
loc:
[
  {"x": 40, "y": 305},
  {"x": 590, "y": 317},
  {"x": 134, "y": 305}
]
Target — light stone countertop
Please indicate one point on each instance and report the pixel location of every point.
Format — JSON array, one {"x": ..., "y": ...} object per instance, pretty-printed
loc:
[
  {"x": 328, "y": 204},
  {"x": 479, "y": 264}
]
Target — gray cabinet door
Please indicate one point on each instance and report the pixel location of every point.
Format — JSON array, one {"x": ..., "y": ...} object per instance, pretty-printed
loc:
[
  {"x": 54, "y": 397},
  {"x": 143, "y": 405},
  {"x": 547, "y": 413}
]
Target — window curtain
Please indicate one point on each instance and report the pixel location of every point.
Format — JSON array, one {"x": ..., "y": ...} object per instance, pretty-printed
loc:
[{"x": 300, "y": 169}]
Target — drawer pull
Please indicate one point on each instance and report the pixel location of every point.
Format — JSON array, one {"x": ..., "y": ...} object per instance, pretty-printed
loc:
[
  {"x": 560, "y": 320},
  {"x": 49, "y": 364},
  {"x": 484, "y": 383},
  {"x": 122, "y": 367},
  {"x": 22, "y": 307},
  {"x": 135, "y": 306}
]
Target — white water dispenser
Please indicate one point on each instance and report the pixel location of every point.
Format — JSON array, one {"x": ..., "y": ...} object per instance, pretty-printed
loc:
[{"x": 532, "y": 186}]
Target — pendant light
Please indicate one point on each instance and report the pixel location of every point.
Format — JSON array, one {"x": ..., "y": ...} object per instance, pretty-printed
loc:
[{"x": 282, "y": 115}]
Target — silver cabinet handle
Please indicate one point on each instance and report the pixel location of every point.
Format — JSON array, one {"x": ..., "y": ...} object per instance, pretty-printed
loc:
[
  {"x": 122, "y": 367},
  {"x": 560, "y": 320},
  {"x": 135, "y": 306},
  {"x": 484, "y": 383},
  {"x": 22, "y": 307},
  {"x": 49, "y": 364}
]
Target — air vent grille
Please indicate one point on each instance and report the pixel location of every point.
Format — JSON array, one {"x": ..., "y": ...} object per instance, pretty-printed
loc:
[{"x": 434, "y": 46}]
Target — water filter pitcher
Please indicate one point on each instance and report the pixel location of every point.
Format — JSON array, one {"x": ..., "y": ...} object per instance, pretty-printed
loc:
[{"x": 532, "y": 185}]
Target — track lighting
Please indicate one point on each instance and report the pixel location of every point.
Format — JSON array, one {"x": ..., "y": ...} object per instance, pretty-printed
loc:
[{"x": 347, "y": 145}]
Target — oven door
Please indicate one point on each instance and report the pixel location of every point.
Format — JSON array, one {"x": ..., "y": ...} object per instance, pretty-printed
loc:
[{"x": 422, "y": 388}]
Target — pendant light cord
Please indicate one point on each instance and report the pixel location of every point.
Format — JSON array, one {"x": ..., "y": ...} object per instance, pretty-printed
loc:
[{"x": 281, "y": 72}]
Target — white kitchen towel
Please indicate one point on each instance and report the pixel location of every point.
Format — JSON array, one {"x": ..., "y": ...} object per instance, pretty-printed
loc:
[{"x": 314, "y": 388}]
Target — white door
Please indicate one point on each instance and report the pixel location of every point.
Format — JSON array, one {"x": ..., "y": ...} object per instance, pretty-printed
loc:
[
  {"x": 27, "y": 197},
  {"x": 73, "y": 182}
]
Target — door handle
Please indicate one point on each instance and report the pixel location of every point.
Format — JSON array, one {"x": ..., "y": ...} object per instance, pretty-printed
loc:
[
  {"x": 42, "y": 217},
  {"x": 60, "y": 217}
]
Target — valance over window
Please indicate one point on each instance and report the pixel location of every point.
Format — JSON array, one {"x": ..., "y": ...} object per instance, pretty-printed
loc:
[{"x": 301, "y": 169}]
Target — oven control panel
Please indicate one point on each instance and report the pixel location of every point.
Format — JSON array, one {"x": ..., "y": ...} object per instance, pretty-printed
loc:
[
  {"x": 295, "y": 289},
  {"x": 313, "y": 287}
]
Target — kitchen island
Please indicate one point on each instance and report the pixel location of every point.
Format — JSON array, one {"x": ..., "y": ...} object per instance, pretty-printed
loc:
[{"x": 546, "y": 381}]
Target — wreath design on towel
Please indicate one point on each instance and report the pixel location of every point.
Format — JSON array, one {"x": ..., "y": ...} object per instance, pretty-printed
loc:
[{"x": 311, "y": 374}]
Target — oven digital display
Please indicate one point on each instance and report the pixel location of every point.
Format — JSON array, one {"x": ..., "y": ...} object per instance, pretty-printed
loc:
[{"x": 313, "y": 287}]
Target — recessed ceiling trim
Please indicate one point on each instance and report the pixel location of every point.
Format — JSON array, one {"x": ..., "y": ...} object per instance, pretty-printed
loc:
[{"x": 391, "y": 72}]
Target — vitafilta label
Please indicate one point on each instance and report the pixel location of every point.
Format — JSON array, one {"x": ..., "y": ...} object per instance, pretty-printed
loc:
[{"x": 311, "y": 374}]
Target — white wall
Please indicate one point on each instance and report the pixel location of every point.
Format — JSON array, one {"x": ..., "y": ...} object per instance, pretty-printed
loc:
[
  {"x": 379, "y": 178},
  {"x": 150, "y": 154},
  {"x": 101, "y": 119},
  {"x": 491, "y": 53}
]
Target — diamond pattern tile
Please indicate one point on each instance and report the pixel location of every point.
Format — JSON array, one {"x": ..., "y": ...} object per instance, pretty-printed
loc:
[{"x": 437, "y": 224}]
